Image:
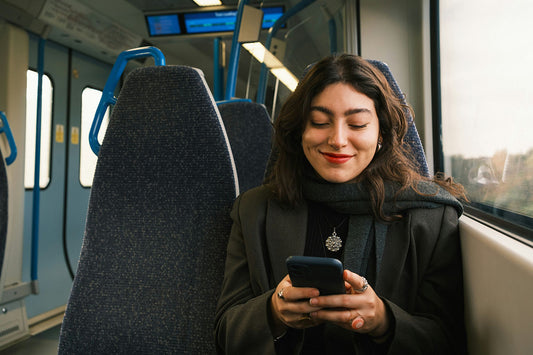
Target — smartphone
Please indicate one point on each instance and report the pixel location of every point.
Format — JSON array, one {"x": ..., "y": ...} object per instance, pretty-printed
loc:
[{"x": 325, "y": 274}]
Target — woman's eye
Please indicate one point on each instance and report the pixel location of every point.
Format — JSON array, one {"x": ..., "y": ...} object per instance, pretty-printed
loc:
[
  {"x": 355, "y": 126},
  {"x": 318, "y": 124}
]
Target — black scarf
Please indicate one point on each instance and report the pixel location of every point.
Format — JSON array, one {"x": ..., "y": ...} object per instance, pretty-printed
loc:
[{"x": 354, "y": 199}]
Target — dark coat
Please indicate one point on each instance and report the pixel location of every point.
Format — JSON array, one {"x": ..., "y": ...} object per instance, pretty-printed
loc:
[{"x": 420, "y": 278}]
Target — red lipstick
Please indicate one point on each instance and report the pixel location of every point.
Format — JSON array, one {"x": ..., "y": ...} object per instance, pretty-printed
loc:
[{"x": 337, "y": 158}]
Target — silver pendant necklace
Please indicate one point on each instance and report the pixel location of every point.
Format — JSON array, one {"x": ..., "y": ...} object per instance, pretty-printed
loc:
[{"x": 334, "y": 242}]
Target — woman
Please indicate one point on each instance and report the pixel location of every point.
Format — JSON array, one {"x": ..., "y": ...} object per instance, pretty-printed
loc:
[{"x": 344, "y": 186}]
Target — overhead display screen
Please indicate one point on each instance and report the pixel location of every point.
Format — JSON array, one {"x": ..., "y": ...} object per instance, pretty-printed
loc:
[
  {"x": 204, "y": 21},
  {"x": 271, "y": 15},
  {"x": 210, "y": 21},
  {"x": 163, "y": 25}
]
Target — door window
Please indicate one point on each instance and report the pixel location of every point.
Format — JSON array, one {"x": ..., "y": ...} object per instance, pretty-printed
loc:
[
  {"x": 31, "y": 126},
  {"x": 89, "y": 102}
]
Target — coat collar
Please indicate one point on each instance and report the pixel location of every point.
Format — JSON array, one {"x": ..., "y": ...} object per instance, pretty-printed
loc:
[{"x": 286, "y": 230}]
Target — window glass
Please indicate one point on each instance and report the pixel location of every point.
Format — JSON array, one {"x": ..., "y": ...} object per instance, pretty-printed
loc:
[
  {"x": 31, "y": 125},
  {"x": 487, "y": 103},
  {"x": 89, "y": 103}
]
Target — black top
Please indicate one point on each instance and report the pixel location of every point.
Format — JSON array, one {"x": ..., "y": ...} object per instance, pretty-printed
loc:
[
  {"x": 320, "y": 224},
  {"x": 326, "y": 338}
]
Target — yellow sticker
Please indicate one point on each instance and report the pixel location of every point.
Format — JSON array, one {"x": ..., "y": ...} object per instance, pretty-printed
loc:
[
  {"x": 75, "y": 135},
  {"x": 60, "y": 133}
]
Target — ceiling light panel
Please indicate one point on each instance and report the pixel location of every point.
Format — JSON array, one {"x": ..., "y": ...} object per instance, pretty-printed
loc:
[{"x": 208, "y": 2}]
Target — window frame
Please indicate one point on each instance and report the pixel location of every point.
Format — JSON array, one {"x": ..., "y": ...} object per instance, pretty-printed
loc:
[{"x": 507, "y": 226}]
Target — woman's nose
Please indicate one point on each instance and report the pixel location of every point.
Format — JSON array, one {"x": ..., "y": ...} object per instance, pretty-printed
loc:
[{"x": 338, "y": 137}]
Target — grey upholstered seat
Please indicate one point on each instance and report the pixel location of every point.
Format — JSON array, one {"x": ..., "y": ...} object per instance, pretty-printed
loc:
[
  {"x": 153, "y": 253},
  {"x": 250, "y": 134},
  {"x": 412, "y": 139}
]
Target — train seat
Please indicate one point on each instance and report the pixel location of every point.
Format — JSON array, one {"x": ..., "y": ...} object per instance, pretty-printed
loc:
[
  {"x": 153, "y": 254},
  {"x": 412, "y": 139},
  {"x": 250, "y": 134}
]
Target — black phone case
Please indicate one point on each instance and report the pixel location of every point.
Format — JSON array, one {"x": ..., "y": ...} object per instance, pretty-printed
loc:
[{"x": 325, "y": 274}]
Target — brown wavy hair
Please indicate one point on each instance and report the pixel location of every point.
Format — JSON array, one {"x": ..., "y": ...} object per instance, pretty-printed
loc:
[{"x": 393, "y": 162}]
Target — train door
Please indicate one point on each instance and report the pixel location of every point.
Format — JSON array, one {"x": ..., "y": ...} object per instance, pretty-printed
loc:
[
  {"x": 88, "y": 78},
  {"x": 63, "y": 199}
]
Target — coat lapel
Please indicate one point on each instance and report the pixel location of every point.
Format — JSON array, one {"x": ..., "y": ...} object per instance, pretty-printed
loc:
[
  {"x": 395, "y": 257},
  {"x": 285, "y": 234}
]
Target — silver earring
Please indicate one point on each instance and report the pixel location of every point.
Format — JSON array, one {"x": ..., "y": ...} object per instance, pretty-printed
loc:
[{"x": 379, "y": 145}]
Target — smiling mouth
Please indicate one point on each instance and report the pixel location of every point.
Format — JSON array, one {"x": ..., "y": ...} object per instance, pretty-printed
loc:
[{"x": 337, "y": 158}]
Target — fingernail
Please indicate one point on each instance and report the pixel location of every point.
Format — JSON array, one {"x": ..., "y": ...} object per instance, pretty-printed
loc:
[
  {"x": 313, "y": 301},
  {"x": 358, "y": 323}
]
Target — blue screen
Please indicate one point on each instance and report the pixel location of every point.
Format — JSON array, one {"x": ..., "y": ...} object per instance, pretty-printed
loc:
[
  {"x": 210, "y": 21},
  {"x": 160, "y": 25},
  {"x": 224, "y": 20},
  {"x": 271, "y": 15}
]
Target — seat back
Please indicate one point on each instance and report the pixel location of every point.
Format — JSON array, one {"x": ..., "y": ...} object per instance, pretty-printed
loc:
[
  {"x": 412, "y": 139},
  {"x": 153, "y": 254},
  {"x": 250, "y": 134}
]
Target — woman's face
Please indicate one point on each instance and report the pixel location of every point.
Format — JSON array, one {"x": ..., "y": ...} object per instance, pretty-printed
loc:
[{"x": 341, "y": 134}]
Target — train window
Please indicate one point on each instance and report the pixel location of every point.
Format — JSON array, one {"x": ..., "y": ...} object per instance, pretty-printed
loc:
[
  {"x": 487, "y": 111},
  {"x": 46, "y": 130},
  {"x": 89, "y": 102}
]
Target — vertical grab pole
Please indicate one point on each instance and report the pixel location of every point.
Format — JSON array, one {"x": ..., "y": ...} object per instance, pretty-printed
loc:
[
  {"x": 332, "y": 29},
  {"x": 261, "y": 89},
  {"x": 332, "y": 36},
  {"x": 36, "y": 181},
  {"x": 235, "y": 51},
  {"x": 218, "y": 70}
]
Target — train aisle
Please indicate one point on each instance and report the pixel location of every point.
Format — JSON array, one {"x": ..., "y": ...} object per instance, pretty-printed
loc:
[{"x": 44, "y": 343}]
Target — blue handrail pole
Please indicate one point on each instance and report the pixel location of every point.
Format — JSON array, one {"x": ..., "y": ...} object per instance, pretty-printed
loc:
[
  {"x": 10, "y": 140},
  {"x": 218, "y": 70},
  {"x": 261, "y": 89},
  {"x": 108, "y": 94},
  {"x": 332, "y": 35},
  {"x": 36, "y": 181},
  {"x": 223, "y": 102},
  {"x": 233, "y": 66}
]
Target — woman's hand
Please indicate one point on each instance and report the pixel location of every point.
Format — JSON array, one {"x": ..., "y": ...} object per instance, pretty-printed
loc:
[
  {"x": 357, "y": 310},
  {"x": 291, "y": 308}
]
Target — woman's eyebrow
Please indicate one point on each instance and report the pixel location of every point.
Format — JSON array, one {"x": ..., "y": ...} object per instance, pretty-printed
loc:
[
  {"x": 356, "y": 110},
  {"x": 346, "y": 113}
]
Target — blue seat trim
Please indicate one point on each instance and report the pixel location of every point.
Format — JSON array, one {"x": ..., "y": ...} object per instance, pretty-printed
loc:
[
  {"x": 4, "y": 128},
  {"x": 108, "y": 94}
]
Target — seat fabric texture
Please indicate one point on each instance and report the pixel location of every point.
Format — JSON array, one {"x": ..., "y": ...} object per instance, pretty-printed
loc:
[
  {"x": 153, "y": 254},
  {"x": 250, "y": 134}
]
